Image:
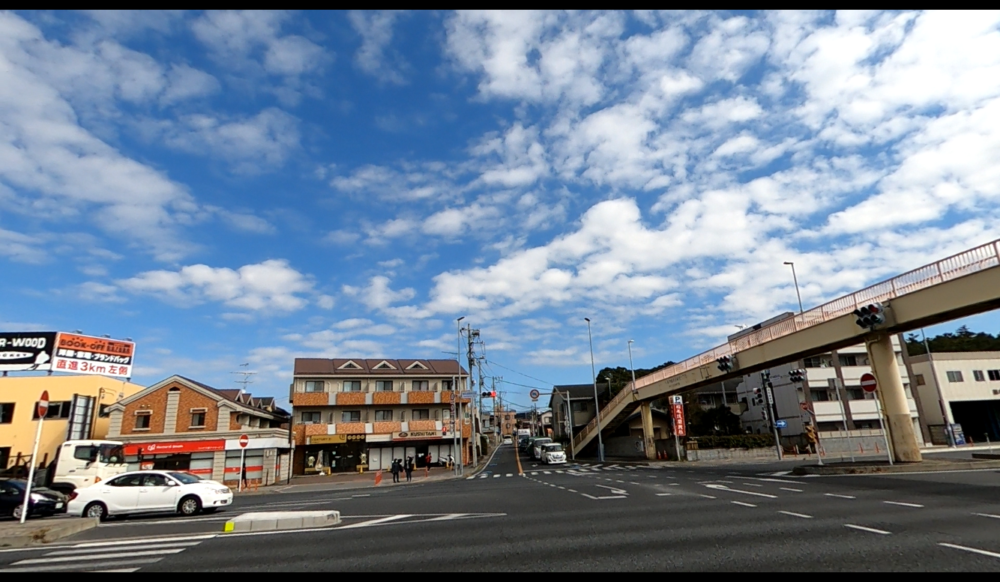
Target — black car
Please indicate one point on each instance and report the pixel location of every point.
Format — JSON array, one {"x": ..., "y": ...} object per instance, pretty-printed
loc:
[{"x": 42, "y": 502}]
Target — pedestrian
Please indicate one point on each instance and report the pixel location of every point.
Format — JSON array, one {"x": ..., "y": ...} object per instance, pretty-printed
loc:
[
  {"x": 409, "y": 469},
  {"x": 395, "y": 470}
]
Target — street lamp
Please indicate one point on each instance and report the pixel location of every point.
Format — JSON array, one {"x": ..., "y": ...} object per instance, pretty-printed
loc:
[
  {"x": 796, "y": 279},
  {"x": 630, "y": 365},
  {"x": 597, "y": 406}
]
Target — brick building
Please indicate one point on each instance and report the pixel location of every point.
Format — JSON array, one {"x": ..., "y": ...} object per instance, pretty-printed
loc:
[
  {"x": 181, "y": 424},
  {"x": 384, "y": 409}
]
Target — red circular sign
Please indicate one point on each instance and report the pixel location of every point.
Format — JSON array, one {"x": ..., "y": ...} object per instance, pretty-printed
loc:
[
  {"x": 43, "y": 404},
  {"x": 868, "y": 383},
  {"x": 244, "y": 440}
]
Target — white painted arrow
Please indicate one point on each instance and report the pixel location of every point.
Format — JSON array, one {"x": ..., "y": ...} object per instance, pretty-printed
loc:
[
  {"x": 614, "y": 490},
  {"x": 724, "y": 488},
  {"x": 606, "y": 497}
]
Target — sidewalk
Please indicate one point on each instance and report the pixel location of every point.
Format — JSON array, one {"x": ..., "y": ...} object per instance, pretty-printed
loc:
[{"x": 354, "y": 481}]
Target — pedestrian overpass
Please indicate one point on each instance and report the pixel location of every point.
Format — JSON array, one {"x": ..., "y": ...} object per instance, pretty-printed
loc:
[{"x": 958, "y": 286}]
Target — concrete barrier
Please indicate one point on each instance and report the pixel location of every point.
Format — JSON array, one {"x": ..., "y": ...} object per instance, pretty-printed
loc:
[
  {"x": 42, "y": 531},
  {"x": 281, "y": 520}
]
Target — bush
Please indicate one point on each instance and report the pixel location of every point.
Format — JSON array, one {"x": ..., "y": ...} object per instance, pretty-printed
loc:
[{"x": 739, "y": 441}]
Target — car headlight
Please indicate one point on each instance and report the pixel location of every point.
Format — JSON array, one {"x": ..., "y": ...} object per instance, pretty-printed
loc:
[
  {"x": 223, "y": 491},
  {"x": 37, "y": 498}
]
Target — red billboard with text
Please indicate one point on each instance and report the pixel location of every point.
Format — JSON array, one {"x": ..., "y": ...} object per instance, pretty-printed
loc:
[
  {"x": 82, "y": 354},
  {"x": 174, "y": 448}
]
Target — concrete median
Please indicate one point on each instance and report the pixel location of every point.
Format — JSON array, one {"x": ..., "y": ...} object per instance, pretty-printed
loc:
[{"x": 281, "y": 520}]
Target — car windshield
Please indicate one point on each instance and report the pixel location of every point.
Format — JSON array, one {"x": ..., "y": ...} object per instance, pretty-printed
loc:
[
  {"x": 185, "y": 478},
  {"x": 113, "y": 454},
  {"x": 553, "y": 448}
]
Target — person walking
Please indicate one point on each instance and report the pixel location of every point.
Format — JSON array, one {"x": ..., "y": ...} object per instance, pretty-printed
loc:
[
  {"x": 409, "y": 469},
  {"x": 395, "y": 470}
]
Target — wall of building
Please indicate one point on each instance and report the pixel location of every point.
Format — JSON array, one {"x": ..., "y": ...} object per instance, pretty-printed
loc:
[{"x": 24, "y": 391}]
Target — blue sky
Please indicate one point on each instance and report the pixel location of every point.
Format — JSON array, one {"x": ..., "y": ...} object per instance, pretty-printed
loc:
[{"x": 230, "y": 188}]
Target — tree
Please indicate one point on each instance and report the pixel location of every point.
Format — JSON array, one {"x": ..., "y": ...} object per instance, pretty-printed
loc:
[
  {"x": 963, "y": 340},
  {"x": 621, "y": 377}
]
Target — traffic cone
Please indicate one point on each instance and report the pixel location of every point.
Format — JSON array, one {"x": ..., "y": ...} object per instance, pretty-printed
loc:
[{"x": 378, "y": 477}]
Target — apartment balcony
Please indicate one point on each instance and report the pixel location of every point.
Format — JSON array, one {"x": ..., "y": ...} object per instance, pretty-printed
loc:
[
  {"x": 861, "y": 410},
  {"x": 373, "y": 398},
  {"x": 302, "y": 432}
]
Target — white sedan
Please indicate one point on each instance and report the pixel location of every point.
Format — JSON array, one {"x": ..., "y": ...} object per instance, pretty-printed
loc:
[{"x": 149, "y": 492}]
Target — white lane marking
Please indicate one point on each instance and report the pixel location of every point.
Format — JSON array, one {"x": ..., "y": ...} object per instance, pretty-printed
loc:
[
  {"x": 724, "y": 488},
  {"x": 141, "y": 541},
  {"x": 470, "y": 478},
  {"x": 547, "y": 472},
  {"x": 706, "y": 496},
  {"x": 726, "y": 482},
  {"x": 448, "y": 517},
  {"x": 793, "y": 514},
  {"x": 765, "y": 480},
  {"x": 619, "y": 481},
  {"x": 572, "y": 490},
  {"x": 96, "y": 557},
  {"x": 123, "y": 570},
  {"x": 606, "y": 497},
  {"x": 364, "y": 495},
  {"x": 663, "y": 494},
  {"x": 633, "y": 482},
  {"x": 560, "y": 472},
  {"x": 790, "y": 489},
  {"x": 372, "y": 522},
  {"x": 869, "y": 529},
  {"x": 614, "y": 490},
  {"x": 58, "y": 567},
  {"x": 144, "y": 547},
  {"x": 754, "y": 484},
  {"x": 743, "y": 504},
  {"x": 562, "y": 487},
  {"x": 903, "y": 504},
  {"x": 673, "y": 484},
  {"x": 987, "y": 515},
  {"x": 497, "y": 476},
  {"x": 973, "y": 550},
  {"x": 840, "y": 496}
]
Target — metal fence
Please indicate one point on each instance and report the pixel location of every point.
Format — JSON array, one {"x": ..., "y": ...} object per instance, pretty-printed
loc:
[{"x": 965, "y": 263}]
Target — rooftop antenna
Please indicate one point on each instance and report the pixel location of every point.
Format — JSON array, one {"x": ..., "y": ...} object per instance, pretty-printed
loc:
[{"x": 246, "y": 373}]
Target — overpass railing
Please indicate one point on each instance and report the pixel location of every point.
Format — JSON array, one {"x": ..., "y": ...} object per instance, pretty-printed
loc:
[{"x": 967, "y": 262}]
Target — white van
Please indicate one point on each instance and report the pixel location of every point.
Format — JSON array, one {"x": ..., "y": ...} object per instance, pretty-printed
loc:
[{"x": 83, "y": 463}]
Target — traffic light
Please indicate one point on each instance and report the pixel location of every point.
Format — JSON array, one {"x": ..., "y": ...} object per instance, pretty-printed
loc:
[
  {"x": 797, "y": 375},
  {"x": 725, "y": 364},
  {"x": 489, "y": 394},
  {"x": 758, "y": 398},
  {"x": 870, "y": 315}
]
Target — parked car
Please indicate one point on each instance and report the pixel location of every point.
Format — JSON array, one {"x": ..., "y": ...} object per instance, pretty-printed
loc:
[
  {"x": 42, "y": 502},
  {"x": 537, "y": 447},
  {"x": 507, "y": 440},
  {"x": 149, "y": 492},
  {"x": 526, "y": 444},
  {"x": 553, "y": 454}
]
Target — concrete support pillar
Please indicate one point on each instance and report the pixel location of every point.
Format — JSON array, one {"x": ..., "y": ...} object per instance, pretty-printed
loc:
[
  {"x": 648, "y": 438},
  {"x": 897, "y": 411}
]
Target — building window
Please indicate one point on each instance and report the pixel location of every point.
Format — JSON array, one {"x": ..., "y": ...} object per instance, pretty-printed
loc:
[
  {"x": 421, "y": 386},
  {"x": 994, "y": 375},
  {"x": 383, "y": 416},
  {"x": 56, "y": 410},
  {"x": 446, "y": 414},
  {"x": 6, "y": 415},
  {"x": 421, "y": 414},
  {"x": 848, "y": 360},
  {"x": 819, "y": 395},
  {"x": 352, "y": 385},
  {"x": 310, "y": 418},
  {"x": 198, "y": 417},
  {"x": 446, "y": 385},
  {"x": 383, "y": 385},
  {"x": 350, "y": 416},
  {"x": 855, "y": 394},
  {"x": 813, "y": 363},
  {"x": 979, "y": 376},
  {"x": 142, "y": 419},
  {"x": 579, "y": 406},
  {"x": 314, "y": 386},
  {"x": 955, "y": 377},
  {"x": 920, "y": 379}
]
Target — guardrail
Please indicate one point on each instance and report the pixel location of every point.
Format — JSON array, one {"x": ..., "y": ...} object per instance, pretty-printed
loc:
[{"x": 967, "y": 262}]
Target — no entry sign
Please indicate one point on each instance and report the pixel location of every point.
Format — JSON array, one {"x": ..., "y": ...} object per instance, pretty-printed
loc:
[
  {"x": 868, "y": 383},
  {"x": 244, "y": 441},
  {"x": 43, "y": 404}
]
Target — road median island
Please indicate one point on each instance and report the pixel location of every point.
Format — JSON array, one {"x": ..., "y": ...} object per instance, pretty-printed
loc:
[
  {"x": 281, "y": 520},
  {"x": 35, "y": 532},
  {"x": 883, "y": 467}
]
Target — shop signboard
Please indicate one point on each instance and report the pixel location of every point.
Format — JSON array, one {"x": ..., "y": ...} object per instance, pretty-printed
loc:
[
  {"x": 132, "y": 449},
  {"x": 27, "y": 351},
  {"x": 81, "y": 354},
  {"x": 416, "y": 435}
]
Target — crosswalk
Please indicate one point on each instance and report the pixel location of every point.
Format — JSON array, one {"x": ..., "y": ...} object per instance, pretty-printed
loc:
[
  {"x": 569, "y": 469},
  {"x": 122, "y": 556}
]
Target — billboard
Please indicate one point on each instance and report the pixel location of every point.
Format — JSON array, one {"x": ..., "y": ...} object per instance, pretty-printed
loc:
[
  {"x": 26, "y": 351},
  {"x": 82, "y": 354}
]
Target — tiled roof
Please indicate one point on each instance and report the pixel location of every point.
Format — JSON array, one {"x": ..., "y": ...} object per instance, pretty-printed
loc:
[
  {"x": 237, "y": 396},
  {"x": 374, "y": 367}
]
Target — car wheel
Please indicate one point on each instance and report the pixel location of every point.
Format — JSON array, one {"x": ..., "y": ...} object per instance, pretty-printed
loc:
[
  {"x": 96, "y": 509},
  {"x": 18, "y": 511},
  {"x": 189, "y": 506}
]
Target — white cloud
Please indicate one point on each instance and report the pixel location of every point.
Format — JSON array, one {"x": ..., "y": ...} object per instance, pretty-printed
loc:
[
  {"x": 376, "y": 30},
  {"x": 325, "y": 302},
  {"x": 263, "y": 287},
  {"x": 377, "y": 295},
  {"x": 184, "y": 82}
]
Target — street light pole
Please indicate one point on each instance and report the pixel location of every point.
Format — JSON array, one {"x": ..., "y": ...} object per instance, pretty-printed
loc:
[
  {"x": 597, "y": 406},
  {"x": 796, "y": 279},
  {"x": 630, "y": 364}
]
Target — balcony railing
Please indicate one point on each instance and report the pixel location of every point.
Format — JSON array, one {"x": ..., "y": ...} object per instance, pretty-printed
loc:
[{"x": 965, "y": 263}]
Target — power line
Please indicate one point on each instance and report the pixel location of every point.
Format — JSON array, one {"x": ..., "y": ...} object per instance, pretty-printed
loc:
[{"x": 525, "y": 375}]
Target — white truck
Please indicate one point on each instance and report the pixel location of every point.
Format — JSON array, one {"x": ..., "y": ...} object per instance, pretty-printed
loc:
[{"x": 82, "y": 463}]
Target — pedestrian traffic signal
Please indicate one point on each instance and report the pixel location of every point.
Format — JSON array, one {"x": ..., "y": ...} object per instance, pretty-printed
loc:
[
  {"x": 870, "y": 315},
  {"x": 797, "y": 375},
  {"x": 725, "y": 364}
]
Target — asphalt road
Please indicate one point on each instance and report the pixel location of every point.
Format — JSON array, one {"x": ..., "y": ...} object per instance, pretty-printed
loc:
[{"x": 734, "y": 518}]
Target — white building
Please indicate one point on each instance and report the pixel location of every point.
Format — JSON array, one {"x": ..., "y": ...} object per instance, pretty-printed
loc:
[
  {"x": 960, "y": 388},
  {"x": 831, "y": 381}
]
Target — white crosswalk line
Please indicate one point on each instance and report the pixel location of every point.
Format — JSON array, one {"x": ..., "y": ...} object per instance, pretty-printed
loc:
[
  {"x": 81, "y": 567},
  {"x": 144, "y": 547},
  {"x": 547, "y": 472},
  {"x": 510, "y": 474}
]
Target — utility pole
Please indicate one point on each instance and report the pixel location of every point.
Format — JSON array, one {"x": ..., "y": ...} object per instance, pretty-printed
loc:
[{"x": 475, "y": 396}]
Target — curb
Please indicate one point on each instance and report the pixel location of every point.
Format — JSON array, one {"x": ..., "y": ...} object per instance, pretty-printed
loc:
[
  {"x": 42, "y": 535},
  {"x": 281, "y": 520},
  {"x": 898, "y": 468}
]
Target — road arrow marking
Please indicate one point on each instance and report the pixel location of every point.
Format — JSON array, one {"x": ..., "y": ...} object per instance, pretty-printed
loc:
[
  {"x": 607, "y": 497},
  {"x": 614, "y": 490},
  {"x": 724, "y": 488}
]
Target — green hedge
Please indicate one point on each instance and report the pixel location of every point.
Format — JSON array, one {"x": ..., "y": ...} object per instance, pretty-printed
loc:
[{"x": 740, "y": 441}]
